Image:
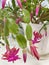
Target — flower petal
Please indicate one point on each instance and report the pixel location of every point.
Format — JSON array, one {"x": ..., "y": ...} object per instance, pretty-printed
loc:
[
  {"x": 3, "y": 3},
  {"x": 37, "y": 35},
  {"x": 34, "y": 52},
  {"x": 11, "y": 54},
  {"x": 37, "y": 10},
  {"x": 24, "y": 55},
  {"x": 19, "y": 3},
  {"x": 35, "y": 41},
  {"x": 13, "y": 58}
]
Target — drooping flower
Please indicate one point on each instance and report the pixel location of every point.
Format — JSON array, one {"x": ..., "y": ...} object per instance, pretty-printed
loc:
[
  {"x": 35, "y": 41},
  {"x": 37, "y": 37},
  {"x": 11, "y": 54},
  {"x": 37, "y": 10},
  {"x": 3, "y": 3},
  {"x": 18, "y": 20},
  {"x": 24, "y": 55},
  {"x": 19, "y": 3},
  {"x": 34, "y": 52}
]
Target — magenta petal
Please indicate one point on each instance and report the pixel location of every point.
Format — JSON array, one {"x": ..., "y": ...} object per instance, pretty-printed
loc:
[
  {"x": 37, "y": 10},
  {"x": 24, "y": 57},
  {"x": 37, "y": 35},
  {"x": 14, "y": 52},
  {"x": 13, "y": 58},
  {"x": 11, "y": 54},
  {"x": 3, "y": 3},
  {"x": 4, "y": 58},
  {"x": 17, "y": 51},
  {"x": 19, "y": 3},
  {"x": 34, "y": 52},
  {"x": 35, "y": 41}
]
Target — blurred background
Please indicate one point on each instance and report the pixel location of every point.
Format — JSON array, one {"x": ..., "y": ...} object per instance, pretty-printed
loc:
[{"x": 44, "y": 3}]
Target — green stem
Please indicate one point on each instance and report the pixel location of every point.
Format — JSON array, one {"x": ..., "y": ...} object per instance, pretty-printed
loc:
[{"x": 42, "y": 27}]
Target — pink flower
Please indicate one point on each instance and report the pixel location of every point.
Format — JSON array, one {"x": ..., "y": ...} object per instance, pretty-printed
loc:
[
  {"x": 34, "y": 52},
  {"x": 25, "y": 0},
  {"x": 37, "y": 10},
  {"x": 18, "y": 20},
  {"x": 3, "y": 3},
  {"x": 24, "y": 55},
  {"x": 19, "y": 3},
  {"x": 11, "y": 54},
  {"x": 37, "y": 37}
]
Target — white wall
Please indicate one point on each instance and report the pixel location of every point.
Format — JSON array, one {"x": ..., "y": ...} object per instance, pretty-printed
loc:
[{"x": 0, "y": 3}]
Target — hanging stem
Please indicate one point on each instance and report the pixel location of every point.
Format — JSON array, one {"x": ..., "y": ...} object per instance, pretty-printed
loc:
[{"x": 42, "y": 27}]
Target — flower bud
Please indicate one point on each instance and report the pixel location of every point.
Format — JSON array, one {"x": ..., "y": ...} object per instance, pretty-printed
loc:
[
  {"x": 19, "y": 3},
  {"x": 24, "y": 55},
  {"x": 3, "y": 3},
  {"x": 37, "y": 10}
]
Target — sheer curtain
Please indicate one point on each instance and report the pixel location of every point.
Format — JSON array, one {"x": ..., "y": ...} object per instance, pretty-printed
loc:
[{"x": 45, "y": 3}]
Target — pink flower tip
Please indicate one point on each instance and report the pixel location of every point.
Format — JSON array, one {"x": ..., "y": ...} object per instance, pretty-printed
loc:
[
  {"x": 24, "y": 56},
  {"x": 37, "y": 37},
  {"x": 34, "y": 52},
  {"x": 37, "y": 10},
  {"x": 19, "y": 3},
  {"x": 3, "y": 3}
]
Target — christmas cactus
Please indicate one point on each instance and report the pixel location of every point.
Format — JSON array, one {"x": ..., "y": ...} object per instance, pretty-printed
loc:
[{"x": 11, "y": 17}]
